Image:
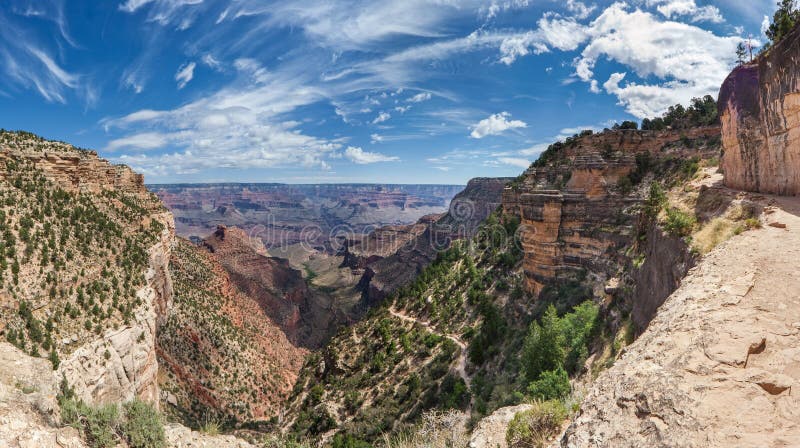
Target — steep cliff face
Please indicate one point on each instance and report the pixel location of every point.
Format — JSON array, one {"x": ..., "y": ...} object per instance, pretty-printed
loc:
[
  {"x": 759, "y": 106},
  {"x": 579, "y": 206},
  {"x": 304, "y": 314},
  {"x": 85, "y": 266},
  {"x": 122, "y": 364}
]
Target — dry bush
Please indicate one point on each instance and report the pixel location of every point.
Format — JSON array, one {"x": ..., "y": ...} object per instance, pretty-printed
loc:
[{"x": 437, "y": 430}]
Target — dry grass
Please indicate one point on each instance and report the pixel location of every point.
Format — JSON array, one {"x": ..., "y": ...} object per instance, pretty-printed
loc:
[
  {"x": 437, "y": 430},
  {"x": 734, "y": 221},
  {"x": 536, "y": 427}
]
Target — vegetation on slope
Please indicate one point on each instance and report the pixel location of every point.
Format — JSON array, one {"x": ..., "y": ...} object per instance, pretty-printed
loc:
[
  {"x": 223, "y": 360},
  {"x": 135, "y": 423},
  {"x": 70, "y": 262},
  {"x": 406, "y": 359}
]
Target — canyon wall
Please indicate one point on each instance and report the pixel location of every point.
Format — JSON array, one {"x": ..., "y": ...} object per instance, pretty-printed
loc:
[
  {"x": 759, "y": 107},
  {"x": 121, "y": 364},
  {"x": 126, "y": 238},
  {"x": 575, "y": 216}
]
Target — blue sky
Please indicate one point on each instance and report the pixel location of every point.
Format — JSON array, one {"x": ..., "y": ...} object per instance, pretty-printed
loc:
[{"x": 411, "y": 91}]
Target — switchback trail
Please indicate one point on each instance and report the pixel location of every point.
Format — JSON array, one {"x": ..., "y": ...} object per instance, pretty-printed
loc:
[{"x": 461, "y": 363}]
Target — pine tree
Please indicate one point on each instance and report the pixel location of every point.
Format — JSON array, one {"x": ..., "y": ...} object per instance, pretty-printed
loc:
[
  {"x": 543, "y": 349},
  {"x": 783, "y": 21},
  {"x": 741, "y": 53}
]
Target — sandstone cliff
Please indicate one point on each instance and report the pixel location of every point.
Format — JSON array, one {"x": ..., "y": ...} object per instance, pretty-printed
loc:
[
  {"x": 759, "y": 106},
  {"x": 580, "y": 213}
]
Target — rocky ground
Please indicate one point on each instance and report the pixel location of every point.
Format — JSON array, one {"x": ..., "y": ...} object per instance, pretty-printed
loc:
[{"x": 717, "y": 365}]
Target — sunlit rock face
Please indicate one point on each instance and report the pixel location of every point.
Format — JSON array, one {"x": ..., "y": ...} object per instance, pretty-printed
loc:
[
  {"x": 759, "y": 106},
  {"x": 574, "y": 216}
]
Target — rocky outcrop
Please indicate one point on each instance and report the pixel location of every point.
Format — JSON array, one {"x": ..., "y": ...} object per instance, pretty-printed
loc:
[
  {"x": 759, "y": 107},
  {"x": 179, "y": 436},
  {"x": 29, "y": 411},
  {"x": 717, "y": 365},
  {"x": 28, "y": 408},
  {"x": 69, "y": 167},
  {"x": 575, "y": 217},
  {"x": 361, "y": 250}
]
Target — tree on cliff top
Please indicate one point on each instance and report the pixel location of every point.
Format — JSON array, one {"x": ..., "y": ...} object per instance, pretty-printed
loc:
[
  {"x": 741, "y": 53},
  {"x": 783, "y": 21}
]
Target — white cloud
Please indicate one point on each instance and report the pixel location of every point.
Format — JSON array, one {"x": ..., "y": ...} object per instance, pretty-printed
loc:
[
  {"x": 240, "y": 126},
  {"x": 356, "y": 24},
  {"x": 420, "y": 97},
  {"x": 362, "y": 157},
  {"x": 145, "y": 140},
  {"x": 33, "y": 68},
  {"x": 376, "y": 138},
  {"x": 163, "y": 11},
  {"x": 383, "y": 116},
  {"x": 402, "y": 109},
  {"x": 579, "y": 9},
  {"x": 496, "y": 124},
  {"x": 765, "y": 23},
  {"x": 185, "y": 74},
  {"x": 687, "y": 8},
  {"x": 689, "y": 60},
  {"x": 553, "y": 32},
  {"x": 495, "y": 7},
  {"x": 212, "y": 62}
]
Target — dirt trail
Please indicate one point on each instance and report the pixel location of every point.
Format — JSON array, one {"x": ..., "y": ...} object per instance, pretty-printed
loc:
[
  {"x": 461, "y": 362},
  {"x": 719, "y": 366}
]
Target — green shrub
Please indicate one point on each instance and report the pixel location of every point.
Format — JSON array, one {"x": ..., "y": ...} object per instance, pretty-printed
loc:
[
  {"x": 143, "y": 427},
  {"x": 551, "y": 385},
  {"x": 655, "y": 200},
  {"x": 535, "y": 427},
  {"x": 100, "y": 425},
  {"x": 348, "y": 441},
  {"x": 679, "y": 223},
  {"x": 543, "y": 348}
]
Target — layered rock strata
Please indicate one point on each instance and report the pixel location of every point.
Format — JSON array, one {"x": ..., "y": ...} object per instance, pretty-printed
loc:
[{"x": 575, "y": 217}]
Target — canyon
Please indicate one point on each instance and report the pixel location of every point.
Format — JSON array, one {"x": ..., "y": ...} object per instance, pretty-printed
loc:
[
  {"x": 282, "y": 215},
  {"x": 648, "y": 275}
]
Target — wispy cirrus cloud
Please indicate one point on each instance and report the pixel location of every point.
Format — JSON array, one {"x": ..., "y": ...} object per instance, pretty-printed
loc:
[
  {"x": 28, "y": 63},
  {"x": 239, "y": 126},
  {"x": 185, "y": 74}
]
